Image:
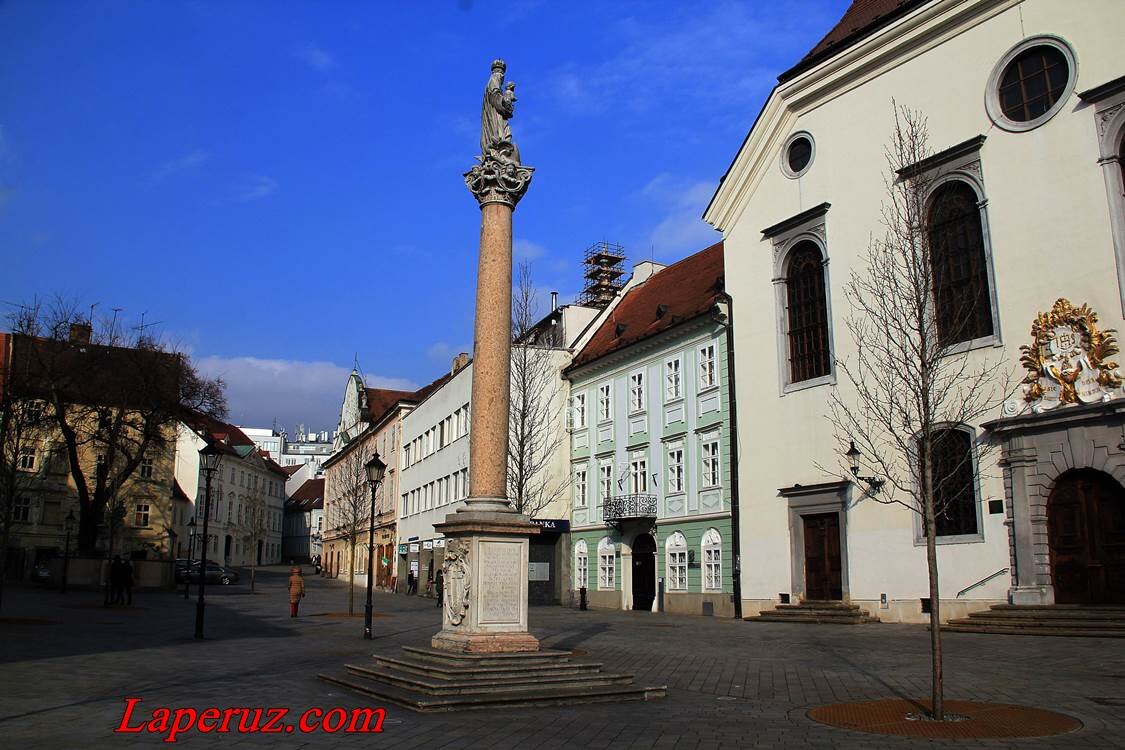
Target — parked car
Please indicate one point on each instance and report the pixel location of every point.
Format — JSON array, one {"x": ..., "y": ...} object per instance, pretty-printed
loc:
[
  {"x": 182, "y": 566},
  {"x": 215, "y": 574},
  {"x": 41, "y": 573}
]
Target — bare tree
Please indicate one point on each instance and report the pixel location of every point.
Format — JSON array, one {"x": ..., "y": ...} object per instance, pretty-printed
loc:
[
  {"x": 20, "y": 435},
  {"x": 908, "y": 381},
  {"x": 536, "y": 423},
  {"x": 348, "y": 513},
  {"x": 252, "y": 530},
  {"x": 108, "y": 394}
]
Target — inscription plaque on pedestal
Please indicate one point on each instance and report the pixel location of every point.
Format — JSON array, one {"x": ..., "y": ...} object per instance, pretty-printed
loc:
[{"x": 500, "y": 581}]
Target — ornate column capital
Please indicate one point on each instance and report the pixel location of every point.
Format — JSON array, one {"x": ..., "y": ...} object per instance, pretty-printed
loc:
[{"x": 497, "y": 181}]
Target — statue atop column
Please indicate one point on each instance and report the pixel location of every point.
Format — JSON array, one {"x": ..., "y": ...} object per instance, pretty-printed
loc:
[{"x": 499, "y": 176}]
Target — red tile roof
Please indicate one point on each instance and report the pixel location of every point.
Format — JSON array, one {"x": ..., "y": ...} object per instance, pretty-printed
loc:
[
  {"x": 682, "y": 291},
  {"x": 309, "y": 496},
  {"x": 381, "y": 399},
  {"x": 862, "y": 18},
  {"x": 291, "y": 470}
]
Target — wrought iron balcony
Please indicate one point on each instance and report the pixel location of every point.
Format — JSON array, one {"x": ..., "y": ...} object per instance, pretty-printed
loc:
[{"x": 625, "y": 507}]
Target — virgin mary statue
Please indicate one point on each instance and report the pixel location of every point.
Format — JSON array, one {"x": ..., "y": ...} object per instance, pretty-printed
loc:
[{"x": 497, "y": 109}]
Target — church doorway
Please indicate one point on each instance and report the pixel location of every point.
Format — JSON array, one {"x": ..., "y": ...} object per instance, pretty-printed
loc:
[{"x": 1086, "y": 535}]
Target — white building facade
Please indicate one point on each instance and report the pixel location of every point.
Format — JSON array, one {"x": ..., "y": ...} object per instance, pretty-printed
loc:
[{"x": 1025, "y": 103}]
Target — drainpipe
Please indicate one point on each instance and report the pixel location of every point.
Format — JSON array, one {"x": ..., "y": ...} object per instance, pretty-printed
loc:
[{"x": 736, "y": 570}]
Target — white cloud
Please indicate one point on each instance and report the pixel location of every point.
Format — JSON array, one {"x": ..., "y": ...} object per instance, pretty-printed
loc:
[
  {"x": 316, "y": 58},
  {"x": 681, "y": 202},
  {"x": 442, "y": 352},
  {"x": 181, "y": 164},
  {"x": 252, "y": 188},
  {"x": 292, "y": 391},
  {"x": 527, "y": 250}
]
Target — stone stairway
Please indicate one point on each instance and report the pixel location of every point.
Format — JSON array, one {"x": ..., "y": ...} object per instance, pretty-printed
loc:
[
  {"x": 425, "y": 679},
  {"x": 1057, "y": 619},
  {"x": 814, "y": 612}
]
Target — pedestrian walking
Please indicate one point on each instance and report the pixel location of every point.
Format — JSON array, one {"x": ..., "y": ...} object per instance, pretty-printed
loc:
[
  {"x": 127, "y": 581},
  {"x": 296, "y": 590},
  {"x": 116, "y": 592},
  {"x": 410, "y": 582},
  {"x": 439, "y": 582}
]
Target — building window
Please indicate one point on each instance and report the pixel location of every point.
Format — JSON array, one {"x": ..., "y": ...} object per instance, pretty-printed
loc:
[
  {"x": 146, "y": 468},
  {"x": 712, "y": 549},
  {"x": 607, "y": 568},
  {"x": 27, "y": 459},
  {"x": 580, "y": 487},
  {"x": 675, "y": 553},
  {"x": 960, "y": 272},
  {"x": 637, "y": 391},
  {"x": 606, "y": 480},
  {"x": 581, "y": 565},
  {"x": 797, "y": 155},
  {"x": 21, "y": 511},
  {"x": 955, "y": 497},
  {"x": 710, "y": 454},
  {"x": 1031, "y": 83},
  {"x": 808, "y": 314},
  {"x": 638, "y": 474},
  {"x": 141, "y": 517},
  {"x": 673, "y": 388},
  {"x": 707, "y": 367},
  {"x": 605, "y": 404},
  {"x": 578, "y": 411},
  {"x": 675, "y": 469}
]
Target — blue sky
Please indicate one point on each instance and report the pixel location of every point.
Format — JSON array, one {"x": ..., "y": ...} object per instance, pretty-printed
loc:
[{"x": 278, "y": 184}]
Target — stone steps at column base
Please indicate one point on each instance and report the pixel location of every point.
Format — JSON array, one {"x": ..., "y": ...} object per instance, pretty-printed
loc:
[
  {"x": 1054, "y": 619},
  {"x": 385, "y": 693},
  {"x": 436, "y": 671},
  {"x": 438, "y": 656},
  {"x": 469, "y": 685}
]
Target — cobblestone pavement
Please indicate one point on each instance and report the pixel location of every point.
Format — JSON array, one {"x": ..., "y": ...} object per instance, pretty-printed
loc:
[{"x": 66, "y": 664}]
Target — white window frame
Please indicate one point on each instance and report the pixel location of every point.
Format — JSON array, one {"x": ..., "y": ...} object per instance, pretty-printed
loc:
[
  {"x": 638, "y": 474},
  {"x": 578, "y": 411},
  {"x": 607, "y": 565},
  {"x": 637, "y": 392},
  {"x": 605, "y": 402},
  {"x": 145, "y": 515},
  {"x": 27, "y": 459},
  {"x": 711, "y": 552},
  {"x": 708, "y": 367},
  {"x": 605, "y": 479},
  {"x": 580, "y": 485},
  {"x": 581, "y": 565},
  {"x": 674, "y": 452},
  {"x": 21, "y": 509},
  {"x": 673, "y": 379},
  {"x": 710, "y": 458},
  {"x": 676, "y": 562}
]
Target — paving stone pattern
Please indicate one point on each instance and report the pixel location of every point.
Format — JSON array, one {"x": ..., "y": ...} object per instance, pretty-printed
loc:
[{"x": 732, "y": 684}]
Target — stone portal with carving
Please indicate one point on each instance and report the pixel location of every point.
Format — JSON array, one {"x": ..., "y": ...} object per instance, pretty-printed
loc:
[{"x": 1068, "y": 361}]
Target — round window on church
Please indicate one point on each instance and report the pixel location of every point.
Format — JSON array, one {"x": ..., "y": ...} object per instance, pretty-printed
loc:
[
  {"x": 1031, "y": 83},
  {"x": 797, "y": 155}
]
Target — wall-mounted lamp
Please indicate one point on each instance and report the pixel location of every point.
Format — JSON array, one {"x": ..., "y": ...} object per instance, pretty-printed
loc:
[{"x": 874, "y": 484}]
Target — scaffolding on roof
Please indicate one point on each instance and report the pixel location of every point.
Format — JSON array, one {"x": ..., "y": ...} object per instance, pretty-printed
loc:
[{"x": 604, "y": 267}]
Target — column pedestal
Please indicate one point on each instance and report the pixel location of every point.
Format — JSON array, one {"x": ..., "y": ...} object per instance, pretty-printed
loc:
[{"x": 485, "y": 582}]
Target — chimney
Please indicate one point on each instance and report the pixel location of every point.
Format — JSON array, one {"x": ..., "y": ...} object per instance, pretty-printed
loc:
[
  {"x": 459, "y": 361},
  {"x": 554, "y": 301},
  {"x": 80, "y": 332}
]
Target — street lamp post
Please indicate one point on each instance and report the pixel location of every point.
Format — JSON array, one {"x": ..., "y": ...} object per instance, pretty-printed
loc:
[
  {"x": 375, "y": 469},
  {"x": 190, "y": 552},
  {"x": 68, "y": 526},
  {"x": 209, "y": 457}
]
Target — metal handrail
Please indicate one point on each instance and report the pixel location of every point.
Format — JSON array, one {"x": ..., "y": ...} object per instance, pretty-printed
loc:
[
  {"x": 629, "y": 506},
  {"x": 981, "y": 582}
]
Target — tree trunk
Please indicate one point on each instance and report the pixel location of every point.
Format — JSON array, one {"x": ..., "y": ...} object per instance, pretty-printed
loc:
[
  {"x": 351, "y": 581},
  {"x": 936, "y": 697},
  {"x": 87, "y": 531}
]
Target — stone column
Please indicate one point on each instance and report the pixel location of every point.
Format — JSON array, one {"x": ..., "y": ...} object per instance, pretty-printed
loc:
[{"x": 485, "y": 566}]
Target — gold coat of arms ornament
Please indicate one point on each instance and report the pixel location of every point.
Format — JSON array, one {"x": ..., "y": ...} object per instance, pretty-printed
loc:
[{"x": 1068, "y": 361}]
